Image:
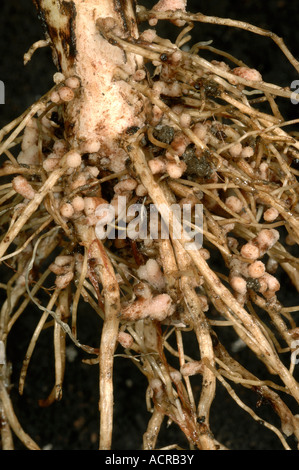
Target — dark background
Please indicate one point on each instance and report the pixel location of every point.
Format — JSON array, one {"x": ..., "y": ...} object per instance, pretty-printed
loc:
[{"x": 73, "y": 423}]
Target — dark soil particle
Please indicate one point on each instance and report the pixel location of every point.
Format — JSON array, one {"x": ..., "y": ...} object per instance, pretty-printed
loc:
[
  {"x": 198, "y": 167},
  {"x": 164, "y": 134}
]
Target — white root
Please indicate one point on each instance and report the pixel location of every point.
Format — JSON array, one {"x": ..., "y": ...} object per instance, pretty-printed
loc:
[{"x": 105, "y": 107}]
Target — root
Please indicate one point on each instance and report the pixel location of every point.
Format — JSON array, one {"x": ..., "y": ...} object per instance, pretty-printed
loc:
[{"x": 195, "y": 136}]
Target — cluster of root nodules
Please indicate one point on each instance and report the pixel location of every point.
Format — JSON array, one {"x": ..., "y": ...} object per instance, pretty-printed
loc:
[{"x": 214, "y": 136}]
